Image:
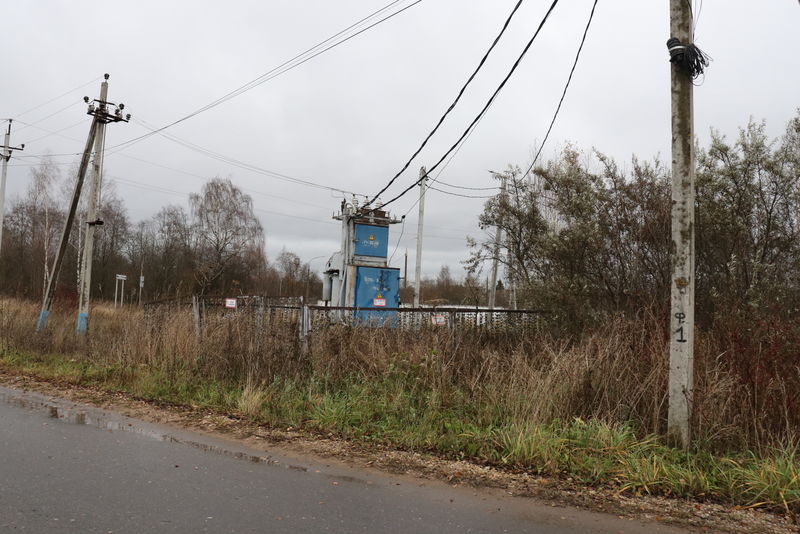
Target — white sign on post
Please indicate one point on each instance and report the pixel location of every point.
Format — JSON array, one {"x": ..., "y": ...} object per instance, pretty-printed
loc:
[
  {"x": 230, "y": 304},
  {"x": 122, "y": 277},
  {"x": 439, "y": 319},
  {"x": 141, "y": 281}
]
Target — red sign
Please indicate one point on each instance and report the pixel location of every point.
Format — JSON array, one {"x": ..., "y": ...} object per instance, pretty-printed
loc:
[{"x": 379, "y": 303}]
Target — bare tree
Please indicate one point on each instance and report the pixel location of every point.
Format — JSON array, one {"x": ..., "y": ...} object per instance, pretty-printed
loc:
[
  {"x": 31, "y": 231},
  {"x": 225, "y": 229}
]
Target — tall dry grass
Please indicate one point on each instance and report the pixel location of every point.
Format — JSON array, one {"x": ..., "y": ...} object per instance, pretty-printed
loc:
[{"x": 746, "y": 395}]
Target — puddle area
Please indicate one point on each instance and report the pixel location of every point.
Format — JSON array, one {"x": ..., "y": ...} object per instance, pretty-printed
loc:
[{"x": 69, "y": 413}]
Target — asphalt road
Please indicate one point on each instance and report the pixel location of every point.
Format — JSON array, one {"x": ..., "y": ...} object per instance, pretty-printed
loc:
[{"x": 74, "y": 469}]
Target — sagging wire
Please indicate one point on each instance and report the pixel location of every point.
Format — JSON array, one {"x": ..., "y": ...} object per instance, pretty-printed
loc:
[
  {"x": 564, "y": 93},
  {"x": 397, "y": 245}
]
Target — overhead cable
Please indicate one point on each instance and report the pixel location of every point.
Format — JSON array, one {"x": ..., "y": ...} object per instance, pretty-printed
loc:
[
  {"x": 243, "y": 165},
  {"x": 459, "y": 194},
  {"x": 485, "y": 108},
  {"x": 59, "y": 96},
  {"x": 33, "y": 124},
  {"x": 56, "y": 132},
  {"x": 453, "y": 105},
  {"x": 166, "y": 191},
  {"x": 447, "y": 163},
  {"x": 284, "y": 67},
  {"x": 493, "y": 188},
  {"x": 564, "y": 93}
]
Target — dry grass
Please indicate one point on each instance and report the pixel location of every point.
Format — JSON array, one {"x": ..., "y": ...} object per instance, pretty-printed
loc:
[
  {"x": 747, "y": 397},
  {"x": 590, "y": 408}
]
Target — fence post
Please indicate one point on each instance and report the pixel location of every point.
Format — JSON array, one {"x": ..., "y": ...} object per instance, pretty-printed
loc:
[
  {"x": 196, "y": 310},
  {"x": 259, "y": 323},
  {"x": 451, "y": 325},
  {"x": 305, "y": 320}
]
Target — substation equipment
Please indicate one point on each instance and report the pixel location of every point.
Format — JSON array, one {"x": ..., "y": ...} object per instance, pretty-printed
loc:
[{"x": 358, "y": 276}]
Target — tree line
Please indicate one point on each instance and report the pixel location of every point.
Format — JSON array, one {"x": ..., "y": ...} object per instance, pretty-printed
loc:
[
  {"x": 214, "y": 247},
  {"x": 584, "y": 237},
  {"x": 587, "y": 237}
]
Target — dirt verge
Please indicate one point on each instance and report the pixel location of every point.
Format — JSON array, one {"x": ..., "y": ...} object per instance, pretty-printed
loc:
[{"x": 703, "y": 517}]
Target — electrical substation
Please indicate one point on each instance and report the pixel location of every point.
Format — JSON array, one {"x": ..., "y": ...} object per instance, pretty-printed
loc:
[{"x": 358, "y": 276}]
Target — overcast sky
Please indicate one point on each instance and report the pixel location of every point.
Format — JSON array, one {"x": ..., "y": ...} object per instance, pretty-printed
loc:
[{"x": 352, "y": 116}]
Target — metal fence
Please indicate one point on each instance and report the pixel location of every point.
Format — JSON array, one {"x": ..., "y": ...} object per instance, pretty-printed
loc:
[
  {"x": 418, "y": 318},
  {"x": 266, "y": 311}
]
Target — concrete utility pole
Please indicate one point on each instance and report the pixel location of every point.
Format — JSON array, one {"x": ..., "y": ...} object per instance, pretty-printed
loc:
[
  {"x": 141, "y": 264},
  {"x": 92, "y": 221},
  {"x": 7, "y": 148},
  {"x": 141, "y": 288},
  {"x": 418, "y": 270},
  {"x": 102, "y": 116},
  {"x": 498, "y": 237},
  {"x": 511, "y": 281},
  {"x": 681, "y": 347},
  {"x": 405, "y": 270},
  {"x": 52, "y": 280}
]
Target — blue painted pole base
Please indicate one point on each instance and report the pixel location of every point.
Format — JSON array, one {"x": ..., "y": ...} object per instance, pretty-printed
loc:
[
  {"x": 83, "y": 323},
  {"x": 41, "y": 324}
]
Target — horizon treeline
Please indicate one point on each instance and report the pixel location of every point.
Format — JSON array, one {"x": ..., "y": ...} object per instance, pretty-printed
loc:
[{"x": 584, "y": 237}]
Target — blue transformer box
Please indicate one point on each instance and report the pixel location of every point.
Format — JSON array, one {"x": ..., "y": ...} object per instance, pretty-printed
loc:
[
  {"x": 371, "y": 240},
  {"x": 377, "y": 288}
]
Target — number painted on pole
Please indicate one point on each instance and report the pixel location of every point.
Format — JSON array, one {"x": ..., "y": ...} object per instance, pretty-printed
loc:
[
  {"x": 680, "y": 339},
  {"x": 681, "y": 317}
]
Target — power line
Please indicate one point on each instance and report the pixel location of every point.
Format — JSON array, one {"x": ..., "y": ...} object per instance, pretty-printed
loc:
[
  {"x": 453, "y": 105},
  {"x": 243, "y": 165},
  {"x": 248, "y": 190},
  {"x": 276, "y": 71},
  {"x": 196, "y": 148},
  {"x": 56, "y": 132},
  {"x": 485, "y": 108},
  {"x": 397, "y": 245},
  {"x": 563, "y": 94},
  {"x": 128, "y": 156},
  {"x": 447, "y": 164},
  {"x": 29, "y": 124},
  {"x": 209, "y": 153},
  {"x": 458, "y": 194},
  {"x": 284, "y": 67},
  {"x": 59, "y": 96},
  {"x": 164, "y": 190},
  {"x": 493, "y": 188}
]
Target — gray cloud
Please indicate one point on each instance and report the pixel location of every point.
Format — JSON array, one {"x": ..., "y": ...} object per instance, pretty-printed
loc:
[{"x": 351, "y": 117}]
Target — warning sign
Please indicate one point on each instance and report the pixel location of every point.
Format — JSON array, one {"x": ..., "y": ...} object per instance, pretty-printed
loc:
[
  {"x": 230, "y": 304},
  {"x": 379, "y": 302},
  {"x": 439, "y": 320}
]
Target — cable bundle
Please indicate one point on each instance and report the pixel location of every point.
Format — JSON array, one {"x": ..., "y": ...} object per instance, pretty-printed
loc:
[{"x": 689, "y": 58}]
